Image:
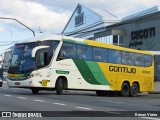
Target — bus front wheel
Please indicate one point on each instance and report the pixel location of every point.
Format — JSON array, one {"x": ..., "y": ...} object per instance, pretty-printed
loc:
[
  {"x": 59, "y": 86},
  {"x": 125, "y": 89},
  {"x": 134, "y": 90},
  {"x": 35, "y": 90}
]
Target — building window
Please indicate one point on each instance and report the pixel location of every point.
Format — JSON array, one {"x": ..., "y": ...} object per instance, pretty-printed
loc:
[
  {"x": 121, "y": 40},
  {"x": 115, "y": 39},
  {"x": 112, "y": 39}
]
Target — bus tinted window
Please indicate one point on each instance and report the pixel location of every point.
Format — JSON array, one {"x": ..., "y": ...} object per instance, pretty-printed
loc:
[
  {"x": 68, "y": 50},
  {"x": 99, "y": 54},
  {"x": 139, "y": 59},
  {"x": 127, "y": 58},
  {"x": 114, "y": 56},
  {"x": 84, "y": 52},
  {"x": 148, "y": 60}
]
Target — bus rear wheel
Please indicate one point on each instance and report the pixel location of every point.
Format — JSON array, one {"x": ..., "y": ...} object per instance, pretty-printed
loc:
[
  {"x": 59, "y": 86},
  {"x": 134, "y": 90},
  {"x": 35, "y": 90},
  {"x": 125, "y": 89}
]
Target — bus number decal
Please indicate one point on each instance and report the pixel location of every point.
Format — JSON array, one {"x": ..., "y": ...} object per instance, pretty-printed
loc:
[{"x": 44, "y": 82}]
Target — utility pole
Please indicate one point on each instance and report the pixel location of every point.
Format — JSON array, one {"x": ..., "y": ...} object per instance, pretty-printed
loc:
[{"x": 20, "y": 23}]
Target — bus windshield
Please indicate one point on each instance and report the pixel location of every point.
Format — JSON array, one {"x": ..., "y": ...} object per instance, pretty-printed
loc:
[{"x": 21, "y": 59}]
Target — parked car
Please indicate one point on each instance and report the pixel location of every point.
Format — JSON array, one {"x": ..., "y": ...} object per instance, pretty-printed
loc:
[{"x": 1, "y": 82}]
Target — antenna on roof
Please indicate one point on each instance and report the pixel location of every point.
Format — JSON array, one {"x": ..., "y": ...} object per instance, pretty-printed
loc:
[{"x": 110, "y": 13}]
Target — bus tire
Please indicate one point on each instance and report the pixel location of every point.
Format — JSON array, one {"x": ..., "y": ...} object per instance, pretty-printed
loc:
[
  {"x": 134, "y": 90},
  {"x": 59, "y": 86},
  {"x": 1, "y": 84},
  {"x": 125, "y": 89},
  {"x": 35, "y": 90}
]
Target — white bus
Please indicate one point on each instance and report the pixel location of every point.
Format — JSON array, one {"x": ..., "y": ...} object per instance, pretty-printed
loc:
[
  {"x": 59, "y": 62},
  {"x": 6, "y": 55}
]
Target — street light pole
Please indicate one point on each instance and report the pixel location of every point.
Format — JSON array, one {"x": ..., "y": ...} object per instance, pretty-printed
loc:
[{"x": 20, "y": 23}]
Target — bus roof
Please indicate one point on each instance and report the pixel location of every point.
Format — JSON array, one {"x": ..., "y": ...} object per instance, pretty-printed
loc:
[
  {"x": 49, "y": 37},
  {"x": 82, "y": 41},
  {"x": 155, "y": 52}
]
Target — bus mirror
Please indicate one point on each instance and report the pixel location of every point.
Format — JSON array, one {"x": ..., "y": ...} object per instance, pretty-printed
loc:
[{"x": 34, "y": 51}]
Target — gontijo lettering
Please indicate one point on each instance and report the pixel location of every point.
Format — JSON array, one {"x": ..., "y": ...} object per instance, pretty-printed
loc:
[{"x": 122, "y": 69}]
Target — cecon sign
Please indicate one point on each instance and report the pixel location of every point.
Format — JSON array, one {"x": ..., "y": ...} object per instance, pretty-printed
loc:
[{"x": 143, "y": 33}]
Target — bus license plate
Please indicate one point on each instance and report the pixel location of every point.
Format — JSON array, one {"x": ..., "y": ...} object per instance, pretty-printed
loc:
[{"x": 17, "y": 83}]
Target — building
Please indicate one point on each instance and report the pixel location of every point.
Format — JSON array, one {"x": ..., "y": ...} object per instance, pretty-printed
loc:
[
  {"x": 138, "y": 31},
  {"x": 85, "y": 23}
]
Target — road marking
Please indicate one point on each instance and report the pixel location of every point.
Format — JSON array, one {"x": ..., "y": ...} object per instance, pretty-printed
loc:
[
  {"x": 39, "y": 100},
  {"x": 133, "y": 104},
  {"x": 150, "y": 118},
  {"x": 58, "y": 103},
  {"x": 84, "y": 108},
  {"x": 22, "y": 98},
  {"x": 112, "y": 101},
  {"x": 8, "y": 95}
]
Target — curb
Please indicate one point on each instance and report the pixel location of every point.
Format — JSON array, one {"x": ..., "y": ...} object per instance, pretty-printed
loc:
[{"x": 154, "y": 92}]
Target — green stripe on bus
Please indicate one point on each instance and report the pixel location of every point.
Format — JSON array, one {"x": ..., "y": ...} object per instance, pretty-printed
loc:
[
  {"x": 91, "y": 72},
  {"x": 97, "y": 72}
]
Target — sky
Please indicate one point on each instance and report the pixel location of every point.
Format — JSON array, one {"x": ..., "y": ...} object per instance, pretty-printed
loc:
[{"x": 47, "y": 17}]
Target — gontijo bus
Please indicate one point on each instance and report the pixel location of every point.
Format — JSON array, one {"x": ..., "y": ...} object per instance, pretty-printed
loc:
[{"x": 59, "y": 63}]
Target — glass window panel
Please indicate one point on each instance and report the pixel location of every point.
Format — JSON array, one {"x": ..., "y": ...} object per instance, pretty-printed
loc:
[
  {"x": 115, "y": 39},
  {"x": 139, "y": 59},
  {"x": 148, "y": 60},
  {"x": 84, "y": 52},
  {"x": 121, "y": 39},
  {"x": 114, "y": 56},
  {"x": 99, "y": 54},
  {"x": 68, "y": 50},
  {"x": 127, "y": 58}
]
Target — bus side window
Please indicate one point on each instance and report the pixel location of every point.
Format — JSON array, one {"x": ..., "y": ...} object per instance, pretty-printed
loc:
[
  {"x": 114, "y": 56},
  {"x": 68, "y": 50},
  {"x": 139, "y": 59},
  {"x": 99, "y": 54},
  {"x": 84, "y": 52},
  {"x": 127, "y": 58},
  {"x": 148, "y": 60}
]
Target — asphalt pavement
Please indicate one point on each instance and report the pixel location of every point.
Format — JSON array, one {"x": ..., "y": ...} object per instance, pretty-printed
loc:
[{"x": 79, "y": 104}]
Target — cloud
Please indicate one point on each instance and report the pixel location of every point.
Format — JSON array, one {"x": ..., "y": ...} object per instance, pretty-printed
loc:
[
  {"x": 2, "y": 29},
  {"x": 52, "y": 15},
  {"x": 34, "y": 14}
]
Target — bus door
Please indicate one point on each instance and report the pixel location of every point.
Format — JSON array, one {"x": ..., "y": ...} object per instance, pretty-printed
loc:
[{"x": 44, "y": 73}]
